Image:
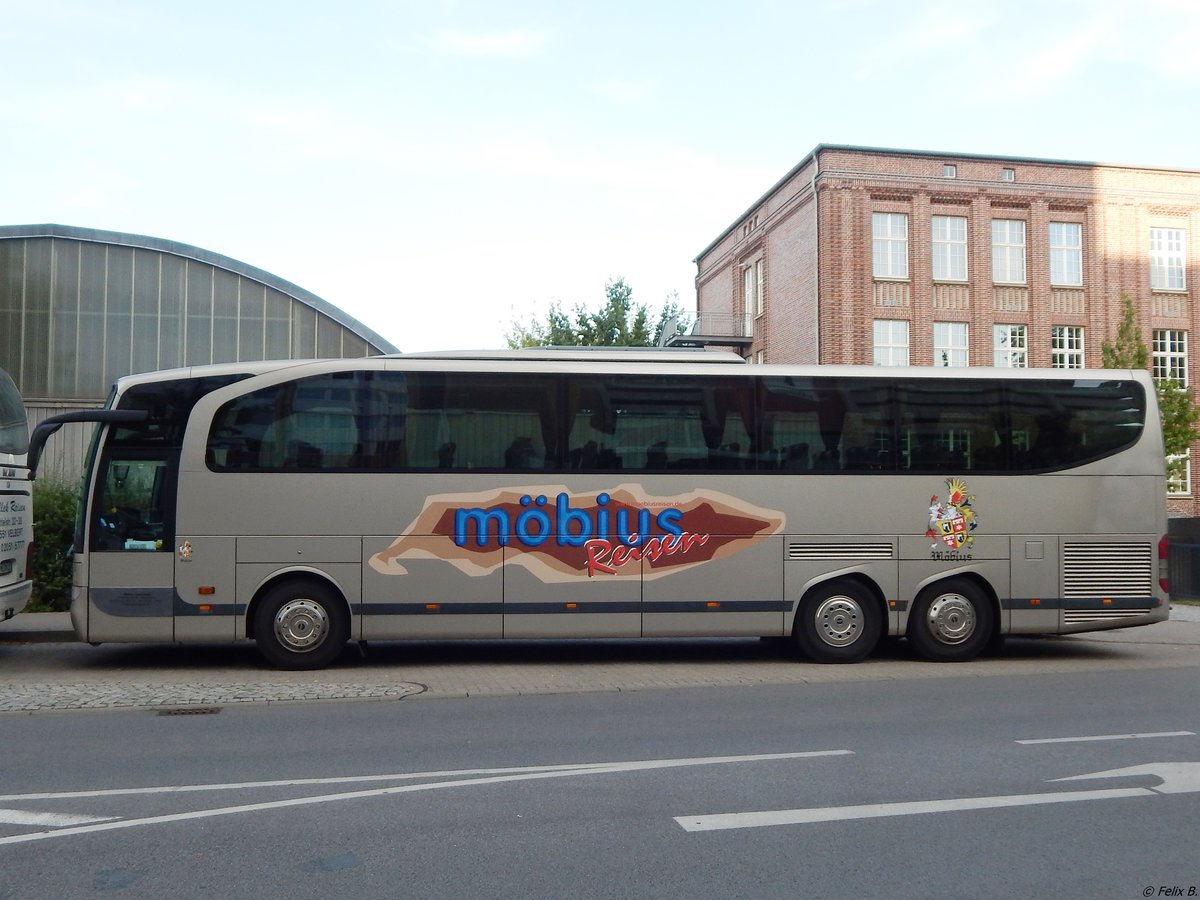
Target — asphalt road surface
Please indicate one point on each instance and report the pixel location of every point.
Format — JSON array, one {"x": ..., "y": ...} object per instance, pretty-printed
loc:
[{"x": 1078, "y": 783}]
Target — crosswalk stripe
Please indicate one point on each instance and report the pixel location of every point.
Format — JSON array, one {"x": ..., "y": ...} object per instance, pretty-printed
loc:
[{"x": 48, "y": 819}]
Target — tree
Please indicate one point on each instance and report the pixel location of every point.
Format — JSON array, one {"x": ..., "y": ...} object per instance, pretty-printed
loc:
[
  {"x": 619, "y": 323},
  {"x": 1175, "y": 406}
]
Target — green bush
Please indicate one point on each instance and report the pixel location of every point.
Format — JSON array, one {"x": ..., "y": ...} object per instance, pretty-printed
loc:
[{"x": 53, "y": 530}]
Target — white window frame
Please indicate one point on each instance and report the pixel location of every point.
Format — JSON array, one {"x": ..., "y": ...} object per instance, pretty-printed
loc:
[
  {"x": 1008, "y": 251},
  {"x": 1066, "y": 346},
  {"x": 889, "y": 342},
  {"x": 1179, "y": 480},
  {"x": 949, "y": 170},
  {"x": 753, "y": 303},
  {"x": 1066, "y": 254},
  {"x": 1010, "y": 346},
  {"x": 1169, "y": 355},
  {"x": 889, "y": 245},
  {"x": 1008, "y": 174},
  {"x": 949, "y": 236},
  {"x": 1168, "y": 259},
  {"x": 951, "y": 344}
]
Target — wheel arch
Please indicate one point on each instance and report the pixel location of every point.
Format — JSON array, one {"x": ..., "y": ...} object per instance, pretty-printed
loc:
[
  {"x": 859, "y": 578},
  {"x": 297, "y": 575}
]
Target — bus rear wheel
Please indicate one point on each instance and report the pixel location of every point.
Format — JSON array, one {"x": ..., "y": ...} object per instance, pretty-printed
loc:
[
  {"x": 838, "y": 622},
  {"x": 301, "y": 625},
  {"x": 951, "y": 621}
]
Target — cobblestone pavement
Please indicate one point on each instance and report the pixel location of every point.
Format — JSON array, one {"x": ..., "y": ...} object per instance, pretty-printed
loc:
[{"x": 71, "y": 676}]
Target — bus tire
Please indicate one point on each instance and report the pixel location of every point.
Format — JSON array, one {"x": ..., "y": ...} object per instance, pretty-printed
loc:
[
  {"x": 838, "y": 622},
  {"x": 951, "y": 621},
  {"x": 301, "y": 625}
]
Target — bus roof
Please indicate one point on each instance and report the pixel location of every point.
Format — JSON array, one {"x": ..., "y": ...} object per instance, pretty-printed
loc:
[
  {"x": 586, "y": 353},
  {"x": 608, "y": 359}
]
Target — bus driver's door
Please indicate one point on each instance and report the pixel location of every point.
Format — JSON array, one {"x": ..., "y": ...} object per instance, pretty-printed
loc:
[{"x": 131, "y": 571}]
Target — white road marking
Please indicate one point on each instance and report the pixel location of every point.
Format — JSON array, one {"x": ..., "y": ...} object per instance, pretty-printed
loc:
[
  {"x": 483, "y": 777},
  {"x": 1109, "y": 737},
  {"x": 48, "y": 819},
  {"x": 1177, "y": 778},
  {"x": 408, "y": 776},
  {"x": 724, "y": 821}
]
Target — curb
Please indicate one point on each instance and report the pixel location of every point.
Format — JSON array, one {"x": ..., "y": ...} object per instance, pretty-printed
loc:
[
  {"x": 38, "y": 628},
  {"x": 56, "y": 627}
]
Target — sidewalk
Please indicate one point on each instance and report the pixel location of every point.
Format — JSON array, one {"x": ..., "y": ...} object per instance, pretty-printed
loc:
[
  {"x": 37, "y": 628},
  {"x": 44, "y": 668}
]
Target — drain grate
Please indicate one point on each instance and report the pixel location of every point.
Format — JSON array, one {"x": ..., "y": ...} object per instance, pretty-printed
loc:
[{"x": 191, "y": 711}]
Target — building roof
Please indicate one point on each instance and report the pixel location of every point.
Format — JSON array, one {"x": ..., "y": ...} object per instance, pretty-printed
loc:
[
  {"x": 144, "y": 242},
  {"x": 938, "y": 154}
]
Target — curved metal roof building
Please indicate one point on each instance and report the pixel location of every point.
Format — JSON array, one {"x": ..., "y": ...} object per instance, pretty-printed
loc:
[{"x": 80, "y": 307}]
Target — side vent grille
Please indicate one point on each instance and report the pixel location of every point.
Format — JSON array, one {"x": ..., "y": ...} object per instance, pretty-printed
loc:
[
  {"x": 880, "y": 550},
  {"x": 1080, "y": 616},
  {"x": 1108, "y": 570}
]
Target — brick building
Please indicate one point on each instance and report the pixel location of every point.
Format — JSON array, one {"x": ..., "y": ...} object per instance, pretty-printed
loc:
[{"x": 890, "y": 257}]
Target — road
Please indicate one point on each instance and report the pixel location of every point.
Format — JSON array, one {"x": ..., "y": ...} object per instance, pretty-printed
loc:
[{"x": 884, "y": 785}]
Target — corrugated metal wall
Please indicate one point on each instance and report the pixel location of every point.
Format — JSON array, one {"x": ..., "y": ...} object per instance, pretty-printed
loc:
[
  {"x": 79, "y": 309},
  {"x": 62, "y": 459}
]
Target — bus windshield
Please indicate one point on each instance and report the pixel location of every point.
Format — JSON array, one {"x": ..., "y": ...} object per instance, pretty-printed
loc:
[{"x": 14, "y": 427}]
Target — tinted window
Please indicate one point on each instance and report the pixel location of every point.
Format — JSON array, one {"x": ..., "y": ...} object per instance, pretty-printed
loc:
[
  {"x": 659, "y": 423},
  {"x": 467, "y": 421},
  {"x": 169, "y": 404},
  {"x": 389, "y": 421},
  {"x": 1054, "y": 424},
  {"x": 14, "y": 427},
  {"x": 951, "y": 426},
  {"x": 430, "y": 421},
  {"x": 827, "y": 425}
]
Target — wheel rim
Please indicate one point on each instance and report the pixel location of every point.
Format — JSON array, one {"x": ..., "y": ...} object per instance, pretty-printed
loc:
[
  {"x": 301, "y": 625},
  {"x": 839, "y": 621},
  {"x": 951, "y": 619}
]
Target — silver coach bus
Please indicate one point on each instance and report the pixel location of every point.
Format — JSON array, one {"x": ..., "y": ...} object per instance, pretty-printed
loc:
[
  {"x": 16, "y": 502},
  {"x": 555, "y": 494}
]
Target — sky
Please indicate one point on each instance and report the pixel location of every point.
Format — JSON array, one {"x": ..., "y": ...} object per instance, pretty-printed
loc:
[{"x": 442, "y": 169}]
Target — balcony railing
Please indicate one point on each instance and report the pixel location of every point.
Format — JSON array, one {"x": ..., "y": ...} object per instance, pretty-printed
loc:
[{"x": 710, "y": 329}]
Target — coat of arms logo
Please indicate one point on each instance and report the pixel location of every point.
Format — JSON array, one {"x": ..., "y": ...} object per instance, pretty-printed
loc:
[{"x": 952, "y": 521}]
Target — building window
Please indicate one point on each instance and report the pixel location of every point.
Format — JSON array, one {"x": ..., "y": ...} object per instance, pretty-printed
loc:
[
  {"x": 1167, "y": 252},
  {"x": 889, "y": 245},
  {"x": 1170, "y": 355},
  {"x": 1008, "y": 174},
  {"x": 949, "y": 171},
  {"x": 1066, "y": 254},
  {"x": 760, "y": 357},
  {"x": 950, "y": 344},
  {"x": 1179, "y": 475},
  {"x": 1008, "y": 251},
  {"x": 752, "y": 293},
  {"x": 1008, "y": 347},
  {"x": 949, "y": 248},
  {"x": 890, "y": 342},
  {"x": 1066, "y": 347}
]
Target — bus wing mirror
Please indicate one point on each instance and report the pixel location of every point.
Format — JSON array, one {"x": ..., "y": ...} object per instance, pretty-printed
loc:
[{"x": 47, "y": 427}]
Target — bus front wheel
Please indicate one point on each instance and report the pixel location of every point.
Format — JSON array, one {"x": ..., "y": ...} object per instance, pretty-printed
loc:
[
  {"x": 839, "y": 622},
  {"x": 301, "y": 625},
  {"x": 951, "y": 621}
]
